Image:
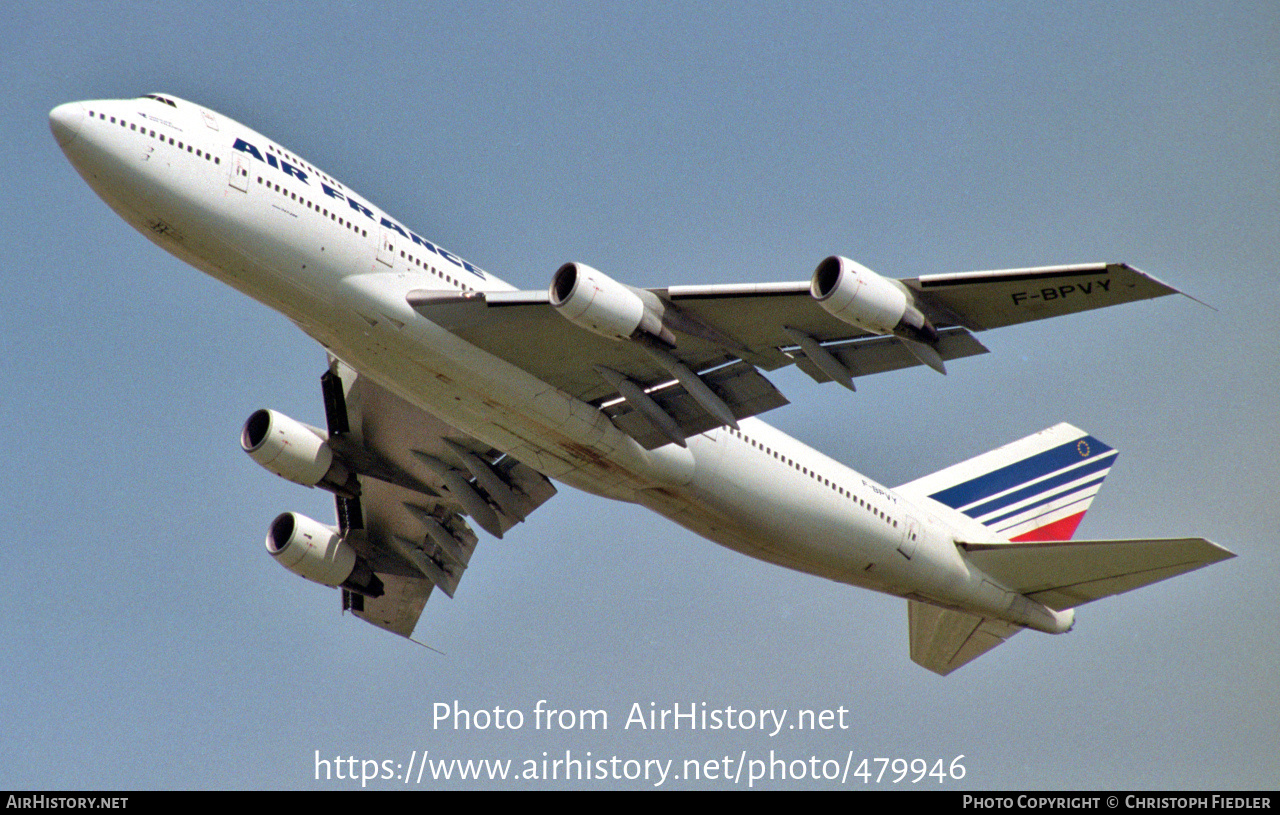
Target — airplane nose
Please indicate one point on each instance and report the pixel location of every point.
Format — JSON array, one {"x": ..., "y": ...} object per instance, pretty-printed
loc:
[{"x": 64, "y": 121}]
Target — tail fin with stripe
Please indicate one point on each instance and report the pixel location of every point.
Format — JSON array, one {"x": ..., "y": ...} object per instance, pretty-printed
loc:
[
  {"x": 1035, "y": 489},
  {"x": 1033, "y": 494}
]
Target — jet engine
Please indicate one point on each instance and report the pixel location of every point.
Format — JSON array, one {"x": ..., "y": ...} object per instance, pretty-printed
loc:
[
  {"x": 592, "y": 300},
  {"x": 295, "y": 452},
  {"x": 854, "y": 294},
  {"x": 317, "y": 552}
]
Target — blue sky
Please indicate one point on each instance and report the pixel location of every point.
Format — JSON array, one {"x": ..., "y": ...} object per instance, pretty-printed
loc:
[{"x": 150, "y": 642}]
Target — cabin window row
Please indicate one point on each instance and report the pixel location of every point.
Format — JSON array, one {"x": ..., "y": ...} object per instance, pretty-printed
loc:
[
  {"x": 144, "y": 130},
  {"x": 271, "y": 148},
  {"x": 814, "y": 475},
  {"x": 333, "y": 216},
  {"x": 428, "y": 267}
]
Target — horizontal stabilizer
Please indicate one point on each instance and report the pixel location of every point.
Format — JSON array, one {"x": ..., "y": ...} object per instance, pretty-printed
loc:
[
  {"x": 1066, "y": 574},
  {"x": 943, "y": 640}
]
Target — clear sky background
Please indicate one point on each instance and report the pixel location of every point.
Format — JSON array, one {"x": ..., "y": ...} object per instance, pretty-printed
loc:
[{"x": 150, "y": 642}]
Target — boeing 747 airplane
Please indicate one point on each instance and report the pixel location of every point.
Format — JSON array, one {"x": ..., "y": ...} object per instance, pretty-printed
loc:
[{"x": 453, "y": 399}]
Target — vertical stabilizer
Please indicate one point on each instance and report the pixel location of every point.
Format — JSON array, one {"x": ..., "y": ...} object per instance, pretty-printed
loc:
[{"x": 1035, "y": 489}]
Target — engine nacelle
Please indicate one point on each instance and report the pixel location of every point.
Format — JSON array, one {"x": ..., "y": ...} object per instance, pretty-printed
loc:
[
  {"x": 854, "y": 294},
  {"x": 295, "y": 452},
  {"x": 317, "y": 552},
  {"x": 590, "y": 299}
]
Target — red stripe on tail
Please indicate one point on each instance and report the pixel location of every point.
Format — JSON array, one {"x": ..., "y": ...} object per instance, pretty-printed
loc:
[{"x": 1060, "y": 530}]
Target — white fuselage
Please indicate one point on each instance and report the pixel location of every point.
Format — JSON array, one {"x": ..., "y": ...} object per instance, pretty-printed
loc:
[{"x": 245, "y": 210}]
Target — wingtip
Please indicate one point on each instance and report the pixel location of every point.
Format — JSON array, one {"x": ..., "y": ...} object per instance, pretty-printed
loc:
[
  {"x": 1198, "y": 300},
  {"x": 1169, "y": 289},
  {"x": 1222, "y": 552}
]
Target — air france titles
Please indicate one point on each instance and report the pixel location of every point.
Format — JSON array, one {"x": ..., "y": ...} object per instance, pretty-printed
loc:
[
  {"x": 697, "y": 716},
  {"x": 290, "y": 170}
]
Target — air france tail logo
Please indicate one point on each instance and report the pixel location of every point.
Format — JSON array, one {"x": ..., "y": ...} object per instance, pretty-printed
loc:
[{"x": 301, "y": 175}]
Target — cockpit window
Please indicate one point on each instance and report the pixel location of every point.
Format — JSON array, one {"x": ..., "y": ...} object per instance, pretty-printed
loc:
[{"x": 168, "y": 102}]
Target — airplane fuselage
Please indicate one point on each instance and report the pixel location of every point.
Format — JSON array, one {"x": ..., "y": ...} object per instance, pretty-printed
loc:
[{"x": 256, "y": 216}]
